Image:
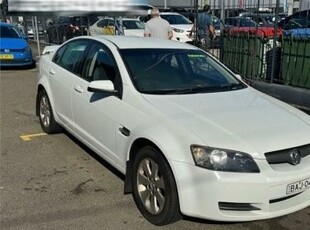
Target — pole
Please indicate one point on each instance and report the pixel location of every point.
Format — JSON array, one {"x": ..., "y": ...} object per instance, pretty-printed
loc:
[
  {"x": 223, "y": 10},
  {"x": 274, "y": 44},
  {"x": 195, "y": 22},
  {"x": 36, "y": 34}
]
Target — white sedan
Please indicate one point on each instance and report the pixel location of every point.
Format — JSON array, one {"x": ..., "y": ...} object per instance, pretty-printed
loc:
[
  {"x": 107, "y": 26},
  {"x": 190, "y": 137},
  {"x": 180, "y": 25}
]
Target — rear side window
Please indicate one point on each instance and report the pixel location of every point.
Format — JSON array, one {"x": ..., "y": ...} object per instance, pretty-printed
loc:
[{"x": 70, "y": 56}]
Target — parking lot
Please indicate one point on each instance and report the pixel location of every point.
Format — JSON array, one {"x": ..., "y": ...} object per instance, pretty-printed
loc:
[{"x": 54, "y": 182}]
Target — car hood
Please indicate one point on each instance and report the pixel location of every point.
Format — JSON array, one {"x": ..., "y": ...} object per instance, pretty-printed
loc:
[
  {"x": 186, "y": 27},
  {"x": 13, "y": 43},
  {"x": 134, "y": 32},
  {"x": 242, "y": 120}
]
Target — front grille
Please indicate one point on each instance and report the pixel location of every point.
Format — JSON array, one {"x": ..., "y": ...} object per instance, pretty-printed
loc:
[{"x": 284, "y": 156}]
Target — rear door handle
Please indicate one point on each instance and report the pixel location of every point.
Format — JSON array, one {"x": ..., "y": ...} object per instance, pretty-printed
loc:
[
  {"x": 52, "y": 72},
  {"x": 78, "y": 89}
]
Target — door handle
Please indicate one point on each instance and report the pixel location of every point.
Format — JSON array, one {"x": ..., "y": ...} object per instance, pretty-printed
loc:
[
  {"x": 78, "y": 89},
  {"x": 52, "y": 72}
]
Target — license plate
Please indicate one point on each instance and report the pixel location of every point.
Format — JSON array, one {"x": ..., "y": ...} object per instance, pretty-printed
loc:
[
  {"x": 298, "y": 186},
  {"x": 6, "y": 56}
]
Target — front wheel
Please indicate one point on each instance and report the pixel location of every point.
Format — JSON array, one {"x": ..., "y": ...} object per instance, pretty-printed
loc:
[
  {"x": 154, "y": 188},
  {"x": 47, "y": 121}
]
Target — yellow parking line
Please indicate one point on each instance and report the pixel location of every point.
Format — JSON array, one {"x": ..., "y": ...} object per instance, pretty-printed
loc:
[{"x": 29, "y": 136}]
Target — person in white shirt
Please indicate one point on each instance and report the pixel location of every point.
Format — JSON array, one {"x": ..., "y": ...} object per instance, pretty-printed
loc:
[{"x": 157, "y": 27}]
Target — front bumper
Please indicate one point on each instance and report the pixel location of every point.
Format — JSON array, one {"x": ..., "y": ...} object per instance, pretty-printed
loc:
[
  {"x": 225, "y": 196},
  {"x": 19, "y": 59}
]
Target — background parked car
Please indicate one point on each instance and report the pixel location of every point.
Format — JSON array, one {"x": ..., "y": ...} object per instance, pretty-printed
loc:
[
  {"x": 298, "y": 20},
  {"x": 107, "y": 26},
  {"x": 64, "y": 28},
  {"x": 265, "y": 20},
  {"x": 181, "y": 26},
  {"x": 15, "y": 50},
  {"x": 239, "y": 22},
  {"x": 31, "y": 32}
]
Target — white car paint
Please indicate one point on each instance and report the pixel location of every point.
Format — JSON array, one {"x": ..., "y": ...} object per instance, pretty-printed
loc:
[{"x": 244, "y": 120}]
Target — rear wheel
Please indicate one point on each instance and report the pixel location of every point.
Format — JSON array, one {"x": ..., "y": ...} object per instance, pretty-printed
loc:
[
  {"x": 154, "y": 188},
  {"x": 47, "y": 121}
]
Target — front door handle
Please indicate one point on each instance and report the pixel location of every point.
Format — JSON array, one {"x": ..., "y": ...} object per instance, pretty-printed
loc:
[
  {"x": 78, "y": 89},
  {"x": 52, "y": 72}
]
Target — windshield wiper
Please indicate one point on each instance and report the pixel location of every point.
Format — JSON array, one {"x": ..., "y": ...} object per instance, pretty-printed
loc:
[
  {"x": 231, "y": 86},
  {"x": 197, "y": 89}
]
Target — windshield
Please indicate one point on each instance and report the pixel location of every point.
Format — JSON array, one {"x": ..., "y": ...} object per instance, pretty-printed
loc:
[
  {"x": 9, "y": 32},
  {"x": 245, "y": 22},
  {"x": 132, "y": 24},
  {"x": 176, "y": 71},
  {"x": 175, "y": 19}
]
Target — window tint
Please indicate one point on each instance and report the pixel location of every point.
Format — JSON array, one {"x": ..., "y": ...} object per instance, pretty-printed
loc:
[
  {"x": 105, "y": 22},
  {"x": 9, "y": 32},
  {"x": 132, "y": 24},
  {"x": 59, "y": 54},
  {"x": 167, "y": 71},
  {"x": 99, "y": 64},
  {"x": 72, "y": 56}
]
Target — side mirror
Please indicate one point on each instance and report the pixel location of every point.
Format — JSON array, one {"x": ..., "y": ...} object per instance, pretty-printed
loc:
[{"x": 102, "y": 86}]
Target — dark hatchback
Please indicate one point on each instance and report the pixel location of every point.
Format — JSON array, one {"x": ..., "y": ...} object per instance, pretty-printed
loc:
[
  {"x": 64, "y": 28},
  {"x": 298, "y": 20}
]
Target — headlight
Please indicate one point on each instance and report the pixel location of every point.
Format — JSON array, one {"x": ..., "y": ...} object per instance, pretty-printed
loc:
[
  {"x": 223, "y": 160},
  {"x": 178, "y": 30}
]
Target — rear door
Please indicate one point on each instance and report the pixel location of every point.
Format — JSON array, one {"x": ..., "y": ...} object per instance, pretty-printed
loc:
[{"x": 63, "y": 71}]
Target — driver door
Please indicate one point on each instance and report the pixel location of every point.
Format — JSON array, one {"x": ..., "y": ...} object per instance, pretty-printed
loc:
[{"x": 95, "y": 114}]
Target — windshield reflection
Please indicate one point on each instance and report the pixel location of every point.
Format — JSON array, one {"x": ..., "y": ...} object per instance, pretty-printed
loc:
[{"x": 167, "y": 71}]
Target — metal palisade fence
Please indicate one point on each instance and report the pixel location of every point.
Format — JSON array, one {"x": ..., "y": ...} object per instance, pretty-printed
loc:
[{"x": 268, "y": 49}]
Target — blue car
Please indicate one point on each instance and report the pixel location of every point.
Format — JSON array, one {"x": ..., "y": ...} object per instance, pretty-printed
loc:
[{"x": 14, "y": 49}]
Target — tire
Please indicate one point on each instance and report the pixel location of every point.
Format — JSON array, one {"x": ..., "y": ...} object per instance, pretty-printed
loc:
[
  {"x": 46, "y": 117},
  {"x": 154, "y": 187}
]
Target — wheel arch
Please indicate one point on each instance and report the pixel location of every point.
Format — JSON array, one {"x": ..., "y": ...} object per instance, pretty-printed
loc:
[{"x": 136, "y": 145}]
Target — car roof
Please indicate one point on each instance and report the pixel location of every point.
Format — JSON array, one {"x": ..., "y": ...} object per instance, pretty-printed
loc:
[
  {"x": 169, "y": 13},
  {"x": 133, "y": 42},
  {"x": 6, "y": 24},
  {"x": 123, "y": 19}
]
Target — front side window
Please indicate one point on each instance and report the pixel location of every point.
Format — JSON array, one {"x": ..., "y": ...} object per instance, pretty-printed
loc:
[
  {"x": 99, "y": 64},
  {"x": 105, "y": 22},
  {"x": 167, "y": 71},
  {"x": 71, "y": 56},
  {"x": 132, "y": 25}
]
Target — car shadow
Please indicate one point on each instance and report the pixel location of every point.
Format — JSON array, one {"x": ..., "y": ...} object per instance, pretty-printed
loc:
[
  {"x": 32, "y": 66},
  {"x": 96, "y": 156}
]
